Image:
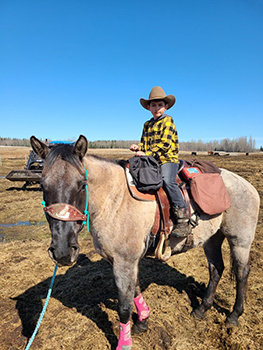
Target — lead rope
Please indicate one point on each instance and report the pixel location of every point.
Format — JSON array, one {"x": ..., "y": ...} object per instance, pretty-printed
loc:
[
  {"x": 43, "y": 310},
  {"x": 86, "y": 212},
  {"x": 46, "y": 302}
]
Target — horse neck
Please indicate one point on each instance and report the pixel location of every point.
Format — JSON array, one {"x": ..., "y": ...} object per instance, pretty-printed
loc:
[{"x": 106, "y": 183}]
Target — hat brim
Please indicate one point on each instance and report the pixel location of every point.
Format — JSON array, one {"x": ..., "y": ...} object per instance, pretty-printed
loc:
[{"x": 169, "y": 99}]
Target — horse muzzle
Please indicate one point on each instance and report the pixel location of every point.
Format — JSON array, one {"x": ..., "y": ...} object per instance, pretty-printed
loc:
[
  {"x": 64, "y": 257},
  {"x": 64, "y": 250}
]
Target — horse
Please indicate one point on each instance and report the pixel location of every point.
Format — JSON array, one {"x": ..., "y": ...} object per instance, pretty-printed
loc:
[{"x": 121, "y": 225}]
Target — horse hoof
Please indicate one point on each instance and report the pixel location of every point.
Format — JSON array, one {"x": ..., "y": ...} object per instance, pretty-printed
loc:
[
  {"x": 231, "y": 321},
  {"x": 124, "y": 347},
  {"x": 140, "y": 327},
  {"x": 198, "y": 314}
]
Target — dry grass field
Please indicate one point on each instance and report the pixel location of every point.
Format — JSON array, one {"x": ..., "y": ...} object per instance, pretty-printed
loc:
[{"x": 82, "y": 312}]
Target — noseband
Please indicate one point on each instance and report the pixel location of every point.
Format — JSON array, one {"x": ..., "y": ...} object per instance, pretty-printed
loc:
[
  {"x": 64, "y": 212},
  {"x": 67, "y": 212}
]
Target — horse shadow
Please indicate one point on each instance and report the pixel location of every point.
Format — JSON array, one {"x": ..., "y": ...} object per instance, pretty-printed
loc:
[
  {"x": 87, "y": 285},
  {"x": 25, "y": 188}
]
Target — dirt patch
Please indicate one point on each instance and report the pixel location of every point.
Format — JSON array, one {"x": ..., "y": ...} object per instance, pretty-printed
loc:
[{"x": 82, "y": 312}]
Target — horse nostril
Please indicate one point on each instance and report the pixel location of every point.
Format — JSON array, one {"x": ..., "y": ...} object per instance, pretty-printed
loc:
[
  {"x": 74, "y": 253},
  {"x": 51, "y": 250},
  {"x": 51, "y": 253}
]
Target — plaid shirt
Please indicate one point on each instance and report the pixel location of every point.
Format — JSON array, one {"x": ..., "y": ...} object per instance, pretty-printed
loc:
[{"x": 160, "y": 140}]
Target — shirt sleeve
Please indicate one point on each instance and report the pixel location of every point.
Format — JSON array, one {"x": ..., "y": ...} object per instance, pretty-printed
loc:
[{"x": 143, "y": 140}]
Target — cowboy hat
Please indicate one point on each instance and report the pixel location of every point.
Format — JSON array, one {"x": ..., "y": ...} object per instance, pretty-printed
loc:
[{"x": 157, "y": 93}]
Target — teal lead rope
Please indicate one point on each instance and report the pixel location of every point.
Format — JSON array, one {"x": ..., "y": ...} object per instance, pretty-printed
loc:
[
  {"x": 43, "y": 310},
  {"x": 86, "y": 213}
]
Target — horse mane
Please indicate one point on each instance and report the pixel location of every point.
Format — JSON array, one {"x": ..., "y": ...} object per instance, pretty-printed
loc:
[
  {"x": 120, "y": 162},
  {"x": 64, "y": 152}
]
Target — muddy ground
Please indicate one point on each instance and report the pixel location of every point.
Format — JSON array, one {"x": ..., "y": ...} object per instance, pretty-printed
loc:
[{"x": 82, "y": 312}]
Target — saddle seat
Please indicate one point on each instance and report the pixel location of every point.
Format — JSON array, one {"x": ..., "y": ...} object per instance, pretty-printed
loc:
[{"x": 163, "y": 223}]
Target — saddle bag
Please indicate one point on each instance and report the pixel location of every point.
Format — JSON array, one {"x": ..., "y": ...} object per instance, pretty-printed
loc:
[
  {"x": 209, "y": 192},
  {"x": 146, "y": 173}
]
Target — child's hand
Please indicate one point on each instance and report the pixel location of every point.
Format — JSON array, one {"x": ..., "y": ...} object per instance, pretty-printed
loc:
[
  {"x": 134, "y": 148},
  {"x": 140, "y": 153}
]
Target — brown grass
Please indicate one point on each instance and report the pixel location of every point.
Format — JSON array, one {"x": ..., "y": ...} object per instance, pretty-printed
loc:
[{"x": 82, "y": 312}]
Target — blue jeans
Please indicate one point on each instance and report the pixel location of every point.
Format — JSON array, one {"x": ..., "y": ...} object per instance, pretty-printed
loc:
[{"x": 169, "y": 171}]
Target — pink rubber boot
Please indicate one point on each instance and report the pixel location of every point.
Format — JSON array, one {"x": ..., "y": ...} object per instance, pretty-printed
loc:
[
  {"x": 142, "y": 309},
  {"x": 125, "y": 340}
]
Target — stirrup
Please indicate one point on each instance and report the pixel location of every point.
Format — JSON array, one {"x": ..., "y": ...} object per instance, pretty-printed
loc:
[{"x": 163, "y": 250}]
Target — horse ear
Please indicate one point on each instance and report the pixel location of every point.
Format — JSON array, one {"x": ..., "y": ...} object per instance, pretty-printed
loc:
[
  {"x": 81, "y": 147},
  {"x": 39, "y": 147}
]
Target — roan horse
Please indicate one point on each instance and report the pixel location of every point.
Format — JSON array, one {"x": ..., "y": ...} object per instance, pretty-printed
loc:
[{"x": 120, "y": 227}]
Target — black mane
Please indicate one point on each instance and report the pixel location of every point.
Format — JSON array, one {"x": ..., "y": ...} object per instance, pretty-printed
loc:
[{"x": 64, "y": 152}]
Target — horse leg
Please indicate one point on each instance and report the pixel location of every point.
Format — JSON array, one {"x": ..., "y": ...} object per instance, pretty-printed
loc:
[
  {"x": 240, "y": 256},
  {"x": 125, "y": 273},
  {"x": 143, "y": 312},
  {"x": 213, "y": 253}
]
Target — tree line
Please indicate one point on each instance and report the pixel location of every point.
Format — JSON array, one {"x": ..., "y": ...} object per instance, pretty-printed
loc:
[
  {"x": 7, "y": 141},
  {"x": 240, "y": 144}
]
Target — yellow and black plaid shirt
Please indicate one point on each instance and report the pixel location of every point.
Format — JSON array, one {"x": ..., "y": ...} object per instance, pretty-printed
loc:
[{"x": 160, "y": 140}]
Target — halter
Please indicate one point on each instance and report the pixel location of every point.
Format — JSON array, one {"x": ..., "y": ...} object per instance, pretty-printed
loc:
[{"x": 67, "y": 212}]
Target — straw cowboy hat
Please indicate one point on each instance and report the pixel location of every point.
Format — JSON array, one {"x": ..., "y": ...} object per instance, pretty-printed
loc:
[{"x": 157, "y": 93}]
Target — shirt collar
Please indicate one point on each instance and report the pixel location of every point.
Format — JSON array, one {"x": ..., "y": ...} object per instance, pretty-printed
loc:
[{"x": 156, "y": 120}]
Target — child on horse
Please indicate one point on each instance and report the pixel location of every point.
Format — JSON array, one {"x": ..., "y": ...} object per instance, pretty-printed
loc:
[{"x": 160, "y": 140}]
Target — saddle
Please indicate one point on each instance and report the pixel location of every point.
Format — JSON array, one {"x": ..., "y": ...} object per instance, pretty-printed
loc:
[
  {"x": 200, "y": 182},
  {"x": 163, "y": 223}
]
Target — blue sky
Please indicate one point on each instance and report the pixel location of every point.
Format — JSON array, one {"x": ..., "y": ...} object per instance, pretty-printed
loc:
[{"x": 80, "y": 67}]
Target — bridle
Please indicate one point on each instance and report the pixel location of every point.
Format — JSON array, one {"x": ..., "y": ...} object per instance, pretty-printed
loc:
[{"x": 67, "y": 212}]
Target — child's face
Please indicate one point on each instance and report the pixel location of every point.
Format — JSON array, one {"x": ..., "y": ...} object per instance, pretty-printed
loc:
[{"x": 157, "y": 108}]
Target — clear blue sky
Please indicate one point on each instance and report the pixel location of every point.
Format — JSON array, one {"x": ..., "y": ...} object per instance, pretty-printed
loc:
[{"x": 80, "y": 67}]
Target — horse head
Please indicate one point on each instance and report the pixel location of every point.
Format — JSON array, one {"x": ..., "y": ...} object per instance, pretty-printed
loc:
[{"x": 64, "y": 185}]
